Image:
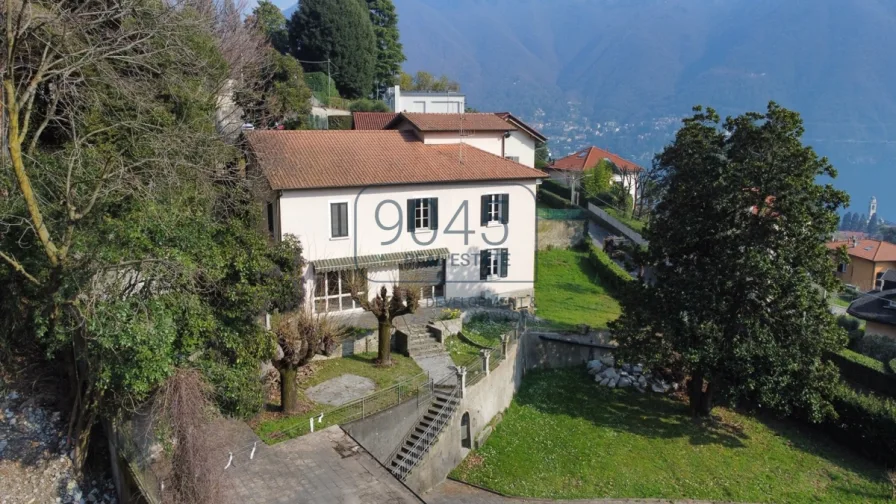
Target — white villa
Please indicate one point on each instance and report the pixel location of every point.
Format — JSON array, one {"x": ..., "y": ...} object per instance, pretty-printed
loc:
[
  {"x": 445, "y": 102},
  {"x": 443, "y": 208},
  {"x": 501, "y": 133}
]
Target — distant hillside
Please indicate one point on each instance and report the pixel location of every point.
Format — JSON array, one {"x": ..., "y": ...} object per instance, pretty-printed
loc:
[{"x": 620, "y": 73}]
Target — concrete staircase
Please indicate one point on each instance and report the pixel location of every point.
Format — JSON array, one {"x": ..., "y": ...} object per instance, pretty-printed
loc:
[
  {"x": 429, "y": 354},
  {"x": 421, "y": 343},
  {"x": 425, "y": 433}
]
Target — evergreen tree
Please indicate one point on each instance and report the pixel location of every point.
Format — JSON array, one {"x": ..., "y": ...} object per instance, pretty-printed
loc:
[
  {"x": 736, "y": 304},
  {"x": 267, "y": 18},
  {"x": 846, "y": 221},
  {"x": 873, "y": 226},
  {"x": 339, "y": 31},
  {"x": 389, "y": 54},
  {"x": 860, "y": 224}
]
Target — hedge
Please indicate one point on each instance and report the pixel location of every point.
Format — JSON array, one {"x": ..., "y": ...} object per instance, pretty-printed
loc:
[
  {"x": 611, "y": 275},
  {"x": 892, "y": 365},
  {"x": 556, "y": 188},
  {"x": 340, "y": 122},
  {"x": 552, "y": 200},
  {"x": 864, "y": 422},
  {"x": 865, "y": 371}
]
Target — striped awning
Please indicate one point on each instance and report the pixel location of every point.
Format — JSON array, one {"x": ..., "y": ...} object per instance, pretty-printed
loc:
[{"x": 378, "y": 260}]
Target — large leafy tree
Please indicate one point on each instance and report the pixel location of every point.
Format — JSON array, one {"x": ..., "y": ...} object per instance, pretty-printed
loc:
[
  {"x": 598, "y": 178},
  {"x": 267, "y": 18},
  {"x": 128, "y": 241},
  {"x": 737, "y": 244},
  {"x": 339, "y": 31},
  {"x": 389, "y": 53},
  {"x": 282, "y": 96}
]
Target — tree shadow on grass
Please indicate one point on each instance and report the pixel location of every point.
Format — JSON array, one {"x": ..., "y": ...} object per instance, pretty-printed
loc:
[{"x": 573, "y": 393}]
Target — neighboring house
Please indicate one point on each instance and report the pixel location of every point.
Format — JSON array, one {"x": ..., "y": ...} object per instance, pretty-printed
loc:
[
  {"x": 394, "y": 206},
  {"x": 878, "y": 310},
  {"x": 571, "y": 168},
  {"x": 869, "y": 259},
  {"x": 439, "y": 102},
  {"x": 321, "y": 113},
  {"x": 887, "y": 281},
  {"x": 500, "y": 133}
]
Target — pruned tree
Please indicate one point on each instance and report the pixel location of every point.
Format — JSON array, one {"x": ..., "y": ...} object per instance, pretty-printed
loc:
[
  {"x": 405, "y": 299},
  {"x": 597, "y": 179},
  {"x": 301, "y": 336},
  {"x": 737, "y": 245}
]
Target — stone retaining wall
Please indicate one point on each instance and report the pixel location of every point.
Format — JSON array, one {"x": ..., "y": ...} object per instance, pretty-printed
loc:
[{"x": 560, "y": 233}]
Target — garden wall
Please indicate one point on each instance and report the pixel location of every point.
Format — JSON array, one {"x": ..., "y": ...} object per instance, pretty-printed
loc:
[
  {"x": 545, "y": 350},
  {"x": 490, "y": 396},
  {"x": 560, "y": 233},
  {"x": 381, "y": 433}
]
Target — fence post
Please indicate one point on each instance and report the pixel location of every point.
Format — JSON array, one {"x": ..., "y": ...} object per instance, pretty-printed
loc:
[
  {"x": 462, "y": 380},
  {"x": 485, "y": 355},
  {"x": 362, "y": 407},
  {"x": 504, "y": 339},
  {"x": 399, "y": 393}
]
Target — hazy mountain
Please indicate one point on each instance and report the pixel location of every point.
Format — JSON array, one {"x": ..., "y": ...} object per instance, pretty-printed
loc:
[{"x": 620, "y": 73}]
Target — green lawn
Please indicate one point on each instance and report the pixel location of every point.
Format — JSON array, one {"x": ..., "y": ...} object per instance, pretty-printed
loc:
[
  {"x": 481, "y": 330},
  {"x": 565, "y": 437},
  {"x": 840, "y": 299},
  {"x": 277, "y": 428},
  {"x": 568, "y": 292},
  {"x": 636, "y": 224}
]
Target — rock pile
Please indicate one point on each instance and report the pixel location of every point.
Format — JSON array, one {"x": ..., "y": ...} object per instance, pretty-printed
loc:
[
  {"x": 607, "y": 374},
  {"x": 35, "y": 463}
]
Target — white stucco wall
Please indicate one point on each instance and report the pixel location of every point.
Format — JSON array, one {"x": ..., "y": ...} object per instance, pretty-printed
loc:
[
  {"x": 305, "y": 214},
  {"x": 488, "y": 141},
  {"x": 521, "y": 145},
  {"x": 439, "y": 103}
]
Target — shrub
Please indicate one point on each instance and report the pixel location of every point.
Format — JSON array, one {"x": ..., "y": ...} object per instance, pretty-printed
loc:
[
  {"x": 317, "y": 82},
  {"x": 891, "y": 364},
  {"x": 878, "y": 346},
  {"x": 365, "y": 105},
  {"x": 611, "y": 274},
  {"x": 449, "y": 314},
  {"x": 865, "y": 422},
  {"x": 865, "y": 371},
  {"x": 848, "y": 323},
  {"x": 554, "y": 201},
  {"x": 340, "y": 122},
  {"x": 556, "y": 188}
]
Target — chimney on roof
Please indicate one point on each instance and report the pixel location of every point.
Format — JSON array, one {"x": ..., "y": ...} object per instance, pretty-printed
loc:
[{"x": 855, "y": 242}]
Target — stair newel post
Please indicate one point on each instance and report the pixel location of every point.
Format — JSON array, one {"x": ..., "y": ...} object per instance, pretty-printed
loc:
[
  {"x": 485, "y": 354},
  {"x": 461, "y": 380}
]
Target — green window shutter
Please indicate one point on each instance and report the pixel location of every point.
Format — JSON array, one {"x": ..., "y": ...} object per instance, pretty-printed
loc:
[
  {"x": 484, "y": 257},
  {"x": 505, "y": 208},
  {"x": 483, "y": 210},
  {"x": 433, "y": 213},
  {"x": 411, "y": 221},
  {"x": 503, "y": 267}
]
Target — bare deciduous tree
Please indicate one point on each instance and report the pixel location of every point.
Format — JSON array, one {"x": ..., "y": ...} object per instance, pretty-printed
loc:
[
  {"x": 300, "y": 337},
  {"x": 405, "y": 299}
]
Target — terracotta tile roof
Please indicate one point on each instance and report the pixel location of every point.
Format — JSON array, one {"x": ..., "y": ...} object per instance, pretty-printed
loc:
[
  {"x": 514, "y": 120},
  {"x": 320, "y": 158},
  {"x": 589, "y": 157},
  {"x": 871, "y": 250},
  {"x": 453, "y": 122},
  {"x": 372, "y": 120}
]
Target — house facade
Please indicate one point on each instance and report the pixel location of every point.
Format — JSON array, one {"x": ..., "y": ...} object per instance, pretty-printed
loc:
[
  {"x": 447, "y": 102},
  {"x": 569, "y": 170},
  {"x": 869, "y": 260},
  {"x": 501, "y": 133},
  {"x": 381, "y": 207}
]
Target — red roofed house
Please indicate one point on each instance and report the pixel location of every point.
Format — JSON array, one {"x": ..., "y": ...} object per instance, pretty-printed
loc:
[
  {"x": 869, "y": 260},
  {"x": 572, "y": 167},
  {"x": 501, "y": 133},
  {"x": 382, "y": 203}
]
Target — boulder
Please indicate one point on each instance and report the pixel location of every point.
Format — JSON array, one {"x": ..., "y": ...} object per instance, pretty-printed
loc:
[
  {"x": 610, "y": 373},
  {"x": 612, "y": 383},
  {"x": 604, "y": 381},
  {"x": 637, "y": 369},
  {"x": 642, "y": 381},
  {"x": 593, "y": 364},
  {"x": 598, "y": 378},
  {"x": 626, "y": 368},
  {"x": 608, "y": 360},
  {"x": 624, "y": 382}
]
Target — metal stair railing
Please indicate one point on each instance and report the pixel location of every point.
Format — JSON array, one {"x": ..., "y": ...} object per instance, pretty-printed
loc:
[{"x": 421, "y": 447}]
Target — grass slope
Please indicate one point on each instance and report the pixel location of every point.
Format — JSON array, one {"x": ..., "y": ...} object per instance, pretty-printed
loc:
[
  {"x": 565, "y": 437},
  {"x": 568, "y": 292}
]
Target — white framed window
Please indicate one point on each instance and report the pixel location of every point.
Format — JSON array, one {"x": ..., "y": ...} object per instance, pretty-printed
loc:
[
  {"x": 423, "y": 214},
  {"x": 493, "y": 263},
  {"x": 841, "y": 268},
  {"x": 495, "y": 209},
  {"x": 515, "y": 159},
  {"x": 339, "y": 219},
  {"x": 493, "y": 266},
  {"x": 332, "y": 290}
]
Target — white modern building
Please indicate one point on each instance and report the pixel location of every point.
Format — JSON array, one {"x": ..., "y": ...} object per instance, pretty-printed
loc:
[
  {"x": 501, "y": 134},
  {"x": 387, "y": 206},
  {"x": 439, "y": 102}
]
